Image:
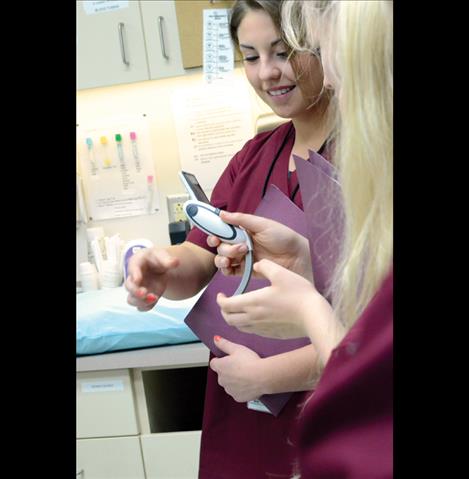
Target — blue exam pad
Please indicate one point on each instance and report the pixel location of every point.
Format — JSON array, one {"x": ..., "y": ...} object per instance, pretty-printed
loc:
[{"x": 105, "y": 322}]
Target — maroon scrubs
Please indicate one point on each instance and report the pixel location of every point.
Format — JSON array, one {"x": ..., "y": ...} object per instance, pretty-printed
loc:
[
  {"x": 239, "y": 443},
  {"x": 346, "y": 429}
]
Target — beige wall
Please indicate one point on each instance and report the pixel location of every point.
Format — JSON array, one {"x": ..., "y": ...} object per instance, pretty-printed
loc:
[{"x": 153, "y": 97}]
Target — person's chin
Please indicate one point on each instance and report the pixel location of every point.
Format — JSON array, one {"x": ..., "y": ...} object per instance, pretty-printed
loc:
[
  {"x": 281, "y": 114},
  {"x": 283, "y": 111}
]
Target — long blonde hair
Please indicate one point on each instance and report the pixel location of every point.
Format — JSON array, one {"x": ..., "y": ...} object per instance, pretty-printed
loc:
[{"x": 356, "y": 41}]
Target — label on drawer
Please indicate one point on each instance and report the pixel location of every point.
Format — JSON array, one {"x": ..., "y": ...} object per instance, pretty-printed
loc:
[
  {"x": 99, "y": 6},
  {"x": 102, "y": 386}
]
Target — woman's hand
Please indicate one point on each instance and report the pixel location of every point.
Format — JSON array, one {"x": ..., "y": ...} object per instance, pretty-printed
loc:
[
  {"x": 239, "y": 373},
  {"x": 148, "y": 277},
  {"x": 271, "y": 240},
  {"x": 290, "y": 307}
]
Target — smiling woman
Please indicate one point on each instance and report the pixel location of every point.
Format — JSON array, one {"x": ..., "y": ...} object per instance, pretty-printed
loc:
[
  {"x": 275, "y": 72},
  {"x": 237, "y": 441}
]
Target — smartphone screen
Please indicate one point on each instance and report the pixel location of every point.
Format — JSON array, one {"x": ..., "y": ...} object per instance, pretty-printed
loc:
[{"x": 192, "y": 183}]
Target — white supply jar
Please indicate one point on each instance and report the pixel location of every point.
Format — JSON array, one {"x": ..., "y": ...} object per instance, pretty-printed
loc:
[
  {"x": 111, "y": 275},
  {"x": 89, "y": 277},
  {"x": 96, "y": 233}
]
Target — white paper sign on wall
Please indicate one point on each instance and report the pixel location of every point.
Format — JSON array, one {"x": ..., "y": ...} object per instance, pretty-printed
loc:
[{"x": 218, "y": 49}]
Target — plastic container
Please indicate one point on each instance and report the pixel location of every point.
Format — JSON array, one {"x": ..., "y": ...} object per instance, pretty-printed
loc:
[
  {"x": 89, "y": 277},
  {"x": 96, "y": 233},
  {"x": 130, "y": 248},
  {"x": 111, "y": 275}
]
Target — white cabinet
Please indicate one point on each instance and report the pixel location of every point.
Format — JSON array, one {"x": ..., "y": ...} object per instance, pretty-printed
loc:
[
  {"x": 105, "y": 404},
  {"x": 163, "y": 453},
  {"x": 140, "y": 423},
  {"x": 136, "y": 42},
  {"x": 110, "y": 458},
  {"x": 110, "y": 46},
  {"x": 162, "y": 38}
]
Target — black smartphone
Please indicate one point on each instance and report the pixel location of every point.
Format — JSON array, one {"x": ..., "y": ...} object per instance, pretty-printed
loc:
[{"x": 193, "y": 187}]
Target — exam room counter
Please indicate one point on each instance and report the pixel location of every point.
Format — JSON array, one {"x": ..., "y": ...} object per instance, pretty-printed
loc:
[{"x": 139, "y": 412}]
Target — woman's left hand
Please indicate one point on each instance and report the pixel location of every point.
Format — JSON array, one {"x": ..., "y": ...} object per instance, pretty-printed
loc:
[
  {"x": 239, "y": 372},
  {"x": 276, "y": 311},
  {"x": 290, "y": 307}
]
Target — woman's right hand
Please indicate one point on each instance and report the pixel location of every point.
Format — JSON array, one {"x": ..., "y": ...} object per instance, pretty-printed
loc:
[
  {"x": 148, "y": 276},
  {"x": 271, "y": 240}
]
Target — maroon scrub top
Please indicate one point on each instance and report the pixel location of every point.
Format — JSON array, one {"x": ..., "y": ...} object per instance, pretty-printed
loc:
[
  {"x": 346, "y": 428},
  {"x": 239, "y": 443}
]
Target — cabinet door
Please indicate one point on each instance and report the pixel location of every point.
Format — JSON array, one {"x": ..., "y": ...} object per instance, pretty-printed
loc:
[
  {"x": 162, "y": 38},
  {"x": 110, "y": 45},
  {"x": 190, "y": 23},
  {"x": 105, "y": 404},
  {"x": 173, "y": 455},
  {"x": 110, "y": 458}
]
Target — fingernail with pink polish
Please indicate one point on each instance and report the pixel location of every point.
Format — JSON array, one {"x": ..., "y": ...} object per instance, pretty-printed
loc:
[{"x": 151, "y": 298}]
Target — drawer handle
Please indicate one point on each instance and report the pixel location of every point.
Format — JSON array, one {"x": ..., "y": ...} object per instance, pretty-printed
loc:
[
  {"x": 121, "y": 39},
  {"x": 80, "y": 473},
  {"x": 163, "y": 47}
]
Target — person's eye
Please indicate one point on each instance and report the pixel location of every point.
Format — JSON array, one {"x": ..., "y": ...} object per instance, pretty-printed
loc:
[
  {"x": 250, "y": 59},
  {"x": 283, "y": 54}
]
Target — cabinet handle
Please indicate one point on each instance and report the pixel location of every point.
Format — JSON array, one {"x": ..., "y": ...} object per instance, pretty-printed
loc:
[
  {"x": 163, "y": 47},
  {"x": 80, "y": 472},
  {"x": 121, "y": 38}
]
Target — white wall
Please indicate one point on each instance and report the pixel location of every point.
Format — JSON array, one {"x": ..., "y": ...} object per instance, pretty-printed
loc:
[{"x": 154, "y": 98}]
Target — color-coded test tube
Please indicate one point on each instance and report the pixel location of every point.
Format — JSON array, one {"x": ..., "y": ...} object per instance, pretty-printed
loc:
[
  {"x": 133, "y": 142},
  {"x": 104, "y": 144},
  {"x": 89, "y": 145},
  {"x": 120, "y": 149},
  {"x": 149, "y": 194}
]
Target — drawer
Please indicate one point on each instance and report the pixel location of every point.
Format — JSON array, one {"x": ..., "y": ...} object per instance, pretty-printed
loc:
[
  {"x": 105, "y": 404},
  {"x": 171, "y": 455},
  {"x": 110, "y": 458}
]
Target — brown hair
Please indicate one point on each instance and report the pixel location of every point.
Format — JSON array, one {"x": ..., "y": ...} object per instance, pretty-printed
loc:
[
  {"x": 308, "y": 71},
  {"x": 272, "y": 7}
]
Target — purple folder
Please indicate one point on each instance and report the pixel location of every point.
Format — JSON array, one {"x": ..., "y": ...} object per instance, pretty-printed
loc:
[
  {"x": 205, "y": 319},
  {"x": 322, "y": 225},
  {"x": 317, "y": 160},
  {"x": 323, "y": 207}
]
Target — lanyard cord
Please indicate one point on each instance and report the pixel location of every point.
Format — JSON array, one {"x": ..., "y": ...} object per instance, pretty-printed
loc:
[
  {"x": 279, "y": 151},
  {"x": 295, "y": 191}
]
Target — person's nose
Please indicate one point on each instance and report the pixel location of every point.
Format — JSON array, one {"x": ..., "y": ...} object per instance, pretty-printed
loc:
[{"x": 269, "y": 70}]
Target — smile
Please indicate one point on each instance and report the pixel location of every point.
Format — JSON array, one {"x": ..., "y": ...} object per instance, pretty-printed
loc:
[{"x": 281, "y": 91}]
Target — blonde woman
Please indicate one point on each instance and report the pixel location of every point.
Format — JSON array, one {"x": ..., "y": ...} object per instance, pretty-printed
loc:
[{"x": 345, "y": 429}]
